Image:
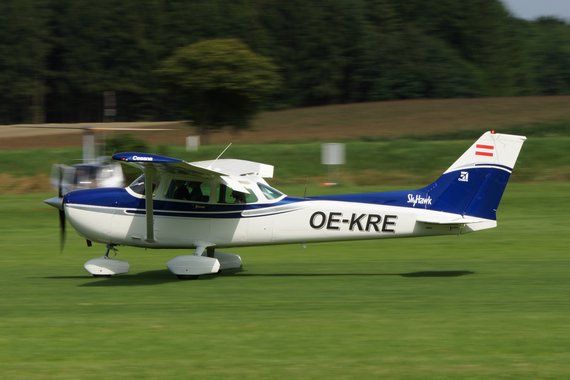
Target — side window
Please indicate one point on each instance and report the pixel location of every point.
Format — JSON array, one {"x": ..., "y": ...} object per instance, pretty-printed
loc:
[
  {"x": 223, "y": 194},
  {"x": 193, "y": 191},
  {"x": 228, "y": 195},
  {"x": 250, "y": 197}
]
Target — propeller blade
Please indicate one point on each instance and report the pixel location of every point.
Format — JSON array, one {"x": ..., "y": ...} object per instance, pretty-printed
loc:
[{"x": 57, "y": 202}]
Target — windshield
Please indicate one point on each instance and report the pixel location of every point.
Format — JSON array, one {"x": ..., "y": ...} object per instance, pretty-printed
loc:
[
  {"x": 269, "y": 192},
  {"x": 137, "y": 185}
]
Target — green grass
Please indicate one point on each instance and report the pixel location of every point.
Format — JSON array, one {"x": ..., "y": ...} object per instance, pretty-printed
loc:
[{"x": 492, "y": 304}]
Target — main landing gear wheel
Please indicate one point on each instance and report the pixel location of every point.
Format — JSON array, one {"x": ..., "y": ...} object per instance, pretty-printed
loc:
[
  {"x": 104, "y": 266},
  {"x": 190, "y": 267}
]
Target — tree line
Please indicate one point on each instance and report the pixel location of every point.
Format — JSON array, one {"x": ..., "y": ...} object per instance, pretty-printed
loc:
[{"x": 59, "y": 57}]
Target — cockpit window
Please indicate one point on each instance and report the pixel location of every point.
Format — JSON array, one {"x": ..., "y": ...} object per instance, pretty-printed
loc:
[
  {"x": 269, "y": 192},
  {"x": 228, "y": 195},
  {"x": 194, "y": 191},
  {"x": 137, "y": 185}
]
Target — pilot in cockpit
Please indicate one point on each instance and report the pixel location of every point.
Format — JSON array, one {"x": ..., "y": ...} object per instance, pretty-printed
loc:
[
  {"x": 196, "y": 193},
  {"x": 238, "y": 196}
]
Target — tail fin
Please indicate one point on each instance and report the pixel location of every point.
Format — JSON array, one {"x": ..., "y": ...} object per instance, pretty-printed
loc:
[{"x": 474, "y": 184}]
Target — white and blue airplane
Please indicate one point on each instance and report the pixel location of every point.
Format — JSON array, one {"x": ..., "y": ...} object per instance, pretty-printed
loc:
[{"x": 225, "y": 203}]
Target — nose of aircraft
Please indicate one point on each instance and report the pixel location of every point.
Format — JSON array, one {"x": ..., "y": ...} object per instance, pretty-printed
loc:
[{"x": 56, "y": 202}]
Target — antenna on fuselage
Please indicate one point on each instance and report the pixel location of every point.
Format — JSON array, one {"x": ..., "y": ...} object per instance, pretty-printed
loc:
[{"x": 220, "y": 155}]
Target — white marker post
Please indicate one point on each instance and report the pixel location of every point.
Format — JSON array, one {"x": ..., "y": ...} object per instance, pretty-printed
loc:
[
  {"x": 332, "y": 154},
  {"x": 192, "y": 143}
]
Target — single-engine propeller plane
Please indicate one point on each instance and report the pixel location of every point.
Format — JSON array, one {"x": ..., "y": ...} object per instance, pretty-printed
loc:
[{"x": 225, "y": 203}]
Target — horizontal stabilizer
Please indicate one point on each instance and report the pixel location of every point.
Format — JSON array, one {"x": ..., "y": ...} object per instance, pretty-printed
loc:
[
  {"x": 462, "y": 224},
  {"x": 452, "y": 221}
]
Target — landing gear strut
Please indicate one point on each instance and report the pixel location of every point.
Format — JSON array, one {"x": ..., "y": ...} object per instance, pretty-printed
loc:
[{"x": 109, "y": 248}]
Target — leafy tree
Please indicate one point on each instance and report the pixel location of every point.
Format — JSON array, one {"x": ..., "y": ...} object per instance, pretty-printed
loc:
[
  {"x": 223, "y": 81},
  {"x": 311, "y": 42},
  {"x": 59, "y": 56},
  {"x": 101, "y": 46},
  {"x": 421, "y": 66},
  {"x": 23, "y": 49},
  {"x": 125, "y": 142},
  {"x": 481, "y": 33},
  {"x": 551, "y": 56}
]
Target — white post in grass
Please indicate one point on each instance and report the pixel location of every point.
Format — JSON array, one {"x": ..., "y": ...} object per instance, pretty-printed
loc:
[
  {"x": 332, "y": 154},
  {"x": 192, "y": 143}
]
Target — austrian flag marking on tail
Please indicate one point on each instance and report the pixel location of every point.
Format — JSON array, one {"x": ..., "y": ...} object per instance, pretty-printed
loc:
[{"x": 484, "y": 150}]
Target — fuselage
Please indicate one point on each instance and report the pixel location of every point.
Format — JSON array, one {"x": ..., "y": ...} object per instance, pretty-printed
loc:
[{"x": 117, "y": 216}]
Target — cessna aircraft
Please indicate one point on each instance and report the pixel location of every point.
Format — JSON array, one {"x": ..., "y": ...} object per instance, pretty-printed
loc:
[{"x": 224, "y": 203}]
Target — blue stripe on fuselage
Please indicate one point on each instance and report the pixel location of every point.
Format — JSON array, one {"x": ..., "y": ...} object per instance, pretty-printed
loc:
[{"x": 474, "y": 191}]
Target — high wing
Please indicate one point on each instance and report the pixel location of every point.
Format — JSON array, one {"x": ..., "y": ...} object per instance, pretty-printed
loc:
[
  {"x": 229, "y": 171},
  {"x": 163, "y": 164}
]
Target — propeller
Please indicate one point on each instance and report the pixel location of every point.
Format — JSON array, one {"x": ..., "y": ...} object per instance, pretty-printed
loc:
[
  {"x": 61, "y": 211},
  {"x": 57, "y": 202}
]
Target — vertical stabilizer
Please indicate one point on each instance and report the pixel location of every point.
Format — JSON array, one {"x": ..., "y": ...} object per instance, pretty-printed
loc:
[{"x": 474, "y": 184}]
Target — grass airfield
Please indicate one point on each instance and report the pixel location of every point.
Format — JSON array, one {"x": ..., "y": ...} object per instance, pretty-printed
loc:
[{"x": 493, "y": 304}]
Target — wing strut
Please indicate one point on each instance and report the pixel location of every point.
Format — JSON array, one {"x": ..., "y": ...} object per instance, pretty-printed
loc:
[{"x": 148, "y": 189}]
